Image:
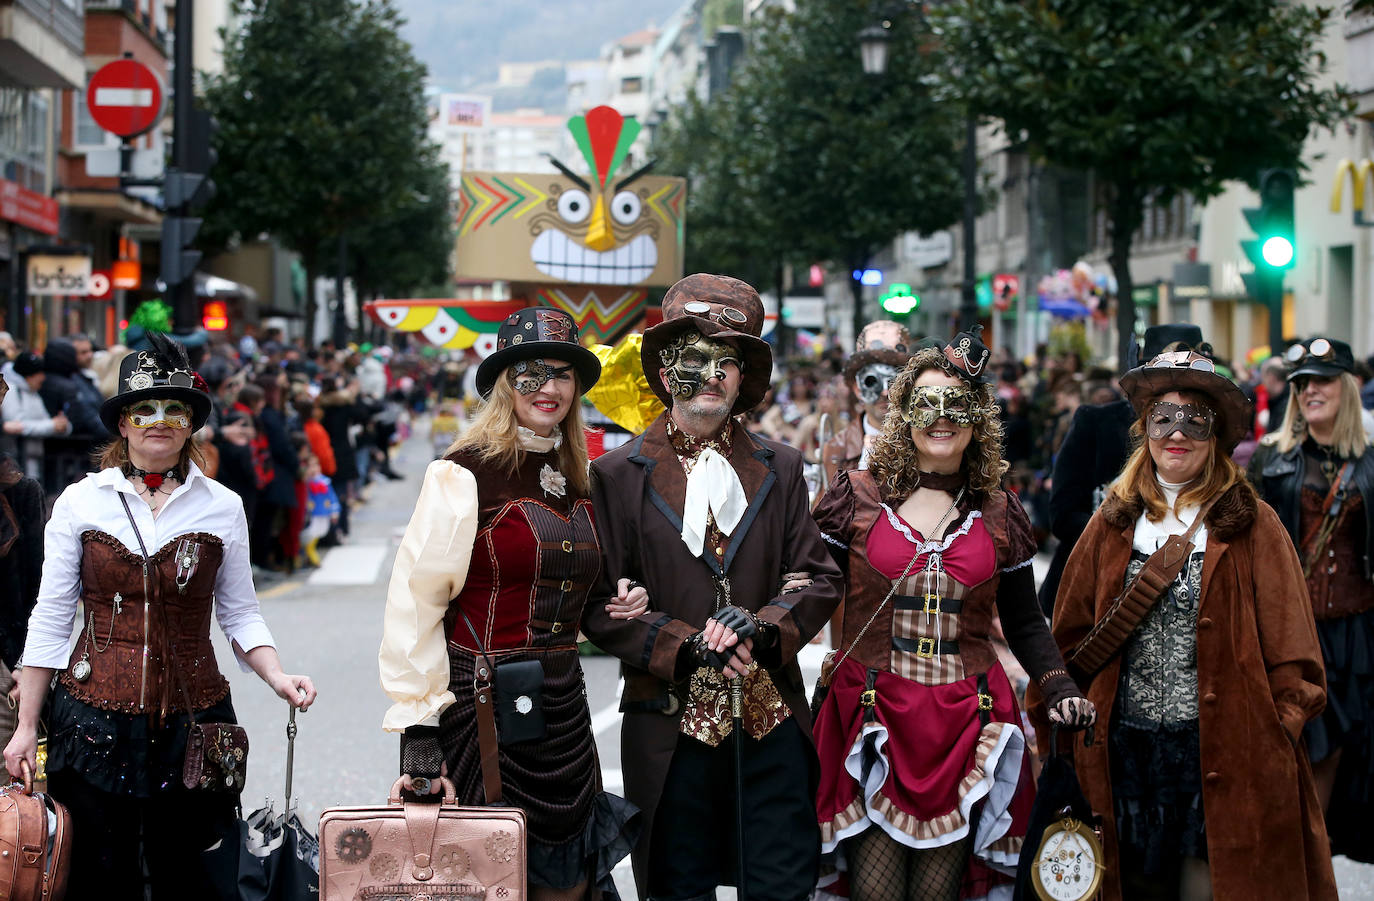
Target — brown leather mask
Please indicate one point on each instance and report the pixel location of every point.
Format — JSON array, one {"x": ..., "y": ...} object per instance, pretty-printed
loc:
[{"x": 1193, "y": 420}]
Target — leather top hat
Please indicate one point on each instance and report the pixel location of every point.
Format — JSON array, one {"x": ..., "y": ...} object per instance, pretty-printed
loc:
[
  {"x": 1158, "y": 337},
  {"x": 969, "y": 356},
  {"x": 883, "y": 341},
  {"x": 714, "y": 306},
  {"x": 1325, "y": 357},
  {"x": 538, "y": 332},
  {"x": 1186, "y": 370},
  {"x": 162, "y": 373}
]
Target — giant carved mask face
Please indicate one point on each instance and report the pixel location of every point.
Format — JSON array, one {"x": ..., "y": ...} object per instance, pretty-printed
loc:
[{"x": 603, "y": 228}]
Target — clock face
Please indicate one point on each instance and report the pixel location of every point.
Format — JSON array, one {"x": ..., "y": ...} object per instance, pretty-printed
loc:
[{"x": 1066, "y": 867}]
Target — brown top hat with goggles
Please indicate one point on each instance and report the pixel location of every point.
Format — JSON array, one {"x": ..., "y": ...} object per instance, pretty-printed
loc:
[
  {"x": 162, "y": 373},
  {"x": 1187, "y": 371},
  {"x": 717, "y": 307}
]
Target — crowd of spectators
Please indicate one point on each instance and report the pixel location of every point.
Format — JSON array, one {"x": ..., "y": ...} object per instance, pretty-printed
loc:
[{"x": 296, "y": 432}]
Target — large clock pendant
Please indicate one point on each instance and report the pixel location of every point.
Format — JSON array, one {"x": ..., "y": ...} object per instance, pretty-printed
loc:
[
  {"x": 1068, "y": 864},
  {"x": 81, "y": 670}
]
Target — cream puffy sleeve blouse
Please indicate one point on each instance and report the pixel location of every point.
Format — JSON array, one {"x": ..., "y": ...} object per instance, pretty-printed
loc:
[{"x": 431, "y": 567}]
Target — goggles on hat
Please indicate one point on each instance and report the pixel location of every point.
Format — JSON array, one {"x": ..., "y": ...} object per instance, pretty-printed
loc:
[
  {"x": 1180, "y": 359},
  {"x": 174, "y": 414},
  {"x": 1318, "y": 349},
  {"x": 693, "y": 360},
  {"x": 931, "y": 403},
  {"x": 528, "y": 376},
  {"x": 724, "y": 316},
  {"x": 1193, "y": 420},
  {"x": 874, "y": 380}
]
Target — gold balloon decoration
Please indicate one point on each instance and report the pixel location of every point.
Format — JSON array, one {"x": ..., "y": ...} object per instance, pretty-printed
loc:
[{"x": 622, "y": 393}]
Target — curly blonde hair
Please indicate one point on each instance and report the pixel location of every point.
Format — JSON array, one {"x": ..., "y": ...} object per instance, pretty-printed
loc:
[{"x": 894, "y": 462}]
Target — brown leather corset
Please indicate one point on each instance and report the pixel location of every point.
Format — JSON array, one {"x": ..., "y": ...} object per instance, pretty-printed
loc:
[{"x": 125, "y": 639}]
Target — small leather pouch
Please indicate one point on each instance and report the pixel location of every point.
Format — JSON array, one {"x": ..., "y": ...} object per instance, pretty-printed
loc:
[
  {"x": 216, "y": 757},
  {"x": 520, "y": 701}
]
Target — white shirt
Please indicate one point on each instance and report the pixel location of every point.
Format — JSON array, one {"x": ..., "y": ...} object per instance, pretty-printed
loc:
[
  {"x": 199, "y": 505},
  {"x": 1150, "y": 536},
  {"x": 870, "y": 435}
]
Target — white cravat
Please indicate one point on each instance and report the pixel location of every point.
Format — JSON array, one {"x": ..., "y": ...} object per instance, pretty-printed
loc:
[{"x": 713, "y": 488}]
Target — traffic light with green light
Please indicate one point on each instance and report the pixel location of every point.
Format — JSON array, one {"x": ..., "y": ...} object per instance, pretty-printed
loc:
[
  {"x": 1274, "y": 247},
  {"x": 899, "y": 300}
]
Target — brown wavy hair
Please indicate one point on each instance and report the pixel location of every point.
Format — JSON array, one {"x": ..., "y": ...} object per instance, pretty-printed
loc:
[
  {"x": 1138, "y": 484},
  {"x": 493, "y": 439},
  {"x": 894, "y": 462}
]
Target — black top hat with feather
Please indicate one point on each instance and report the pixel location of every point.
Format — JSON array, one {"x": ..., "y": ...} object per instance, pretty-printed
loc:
[{"x": 163, "y": 373}]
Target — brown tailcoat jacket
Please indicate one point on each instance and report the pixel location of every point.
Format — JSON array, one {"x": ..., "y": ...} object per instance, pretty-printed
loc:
[
  {"x": 638, "y": 492},
  {"x": 1260, "y": 678},
  {"x": 843, "y": 451}
]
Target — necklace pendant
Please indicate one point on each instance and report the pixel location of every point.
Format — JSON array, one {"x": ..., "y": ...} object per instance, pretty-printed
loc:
[{"x": 81, "y": 670}]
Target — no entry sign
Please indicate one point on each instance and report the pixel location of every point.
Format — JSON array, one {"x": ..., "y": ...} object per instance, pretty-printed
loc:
[{"x": 125, "y": 97}]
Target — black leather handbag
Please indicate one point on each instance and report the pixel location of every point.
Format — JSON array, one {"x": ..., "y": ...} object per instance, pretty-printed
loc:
[{"x": 519, "y": 694}]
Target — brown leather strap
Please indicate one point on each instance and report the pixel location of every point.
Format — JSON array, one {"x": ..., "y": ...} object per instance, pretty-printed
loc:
[
  {"x": 422, "y": 822},
  {"x": 1130, "y": 608},
  {"x": 484, "y": 674}
]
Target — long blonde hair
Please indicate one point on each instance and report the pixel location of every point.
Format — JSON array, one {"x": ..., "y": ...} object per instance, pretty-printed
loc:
[
  {"x": 493, "y": 439},
  {"x": 894, "y": 462},
  {"x": 1139, "y": 484},
  {"x": 116, "y": 454},
  {"x": 1349, "y": 436}
]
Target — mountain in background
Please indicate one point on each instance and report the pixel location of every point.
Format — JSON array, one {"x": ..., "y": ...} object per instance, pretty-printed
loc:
[{"x": 463, "y": 42}]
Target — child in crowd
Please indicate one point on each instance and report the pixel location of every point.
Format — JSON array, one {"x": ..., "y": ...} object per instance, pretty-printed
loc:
[{"x": 322, "y": 508}]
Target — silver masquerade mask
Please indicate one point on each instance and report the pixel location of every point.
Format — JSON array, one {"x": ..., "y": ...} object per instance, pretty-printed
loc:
[
  {"x": 873, "y": 380},
  {"x": 692, "y": 360},
  {"x": 528, "y": 376},
  {"x": 930, "y": 403}
]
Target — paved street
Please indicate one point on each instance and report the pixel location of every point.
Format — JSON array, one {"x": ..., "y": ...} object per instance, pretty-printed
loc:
[{"x": 328, "y": 624}]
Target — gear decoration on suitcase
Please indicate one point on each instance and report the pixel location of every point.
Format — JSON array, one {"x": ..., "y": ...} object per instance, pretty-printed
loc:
[
  {"x": 453, "y": 862},
  {"x": 501, "y": 846},
  {"x": 384, "y": 866},
  {"x": 354, "y": 845}
]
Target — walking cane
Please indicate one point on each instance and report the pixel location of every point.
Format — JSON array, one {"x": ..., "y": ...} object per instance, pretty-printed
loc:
[{"x": 737, "y": 721}]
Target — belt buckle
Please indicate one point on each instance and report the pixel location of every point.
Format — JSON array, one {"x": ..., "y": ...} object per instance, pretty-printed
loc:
[
  {"x": 556, "y": 628},
  {"x": 925, "y": 648},
  {"x": 869, "y": 697},
  {"x": 928, "y": 609},
  {"x": 984, "y": 701}
]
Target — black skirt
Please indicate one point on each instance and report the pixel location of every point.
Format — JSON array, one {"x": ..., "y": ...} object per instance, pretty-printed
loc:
[
  {"x": 1347, "y": 725},
  {"x": 124, "y": 754},
  {"x": 1157, "y": 792}
]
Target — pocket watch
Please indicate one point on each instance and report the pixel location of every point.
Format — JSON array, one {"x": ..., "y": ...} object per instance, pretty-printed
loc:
[{"x": 1068, "y": 864}]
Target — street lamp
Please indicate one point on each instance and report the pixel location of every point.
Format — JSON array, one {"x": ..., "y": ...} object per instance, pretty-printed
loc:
[{"x": 873, "y": 44}]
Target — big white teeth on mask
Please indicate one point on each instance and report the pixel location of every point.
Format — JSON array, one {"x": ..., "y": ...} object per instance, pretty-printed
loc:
[{"x": 557, "y": 255}]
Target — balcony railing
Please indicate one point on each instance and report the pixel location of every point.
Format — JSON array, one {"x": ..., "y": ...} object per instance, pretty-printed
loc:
[{"x": 64, "y": 18}]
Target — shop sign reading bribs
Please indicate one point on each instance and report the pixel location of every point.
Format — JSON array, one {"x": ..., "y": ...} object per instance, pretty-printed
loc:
[{"x": 59, "y": 275}]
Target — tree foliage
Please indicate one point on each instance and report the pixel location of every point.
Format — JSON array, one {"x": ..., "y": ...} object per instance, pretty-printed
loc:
[
  {"x": 1152, "y": 98},
  {"x": 806, "y": 158},
  {"x": 322, "y": 132}
]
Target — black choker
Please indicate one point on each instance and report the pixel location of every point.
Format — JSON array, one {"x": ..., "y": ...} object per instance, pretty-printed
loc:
[
  {"x": 941, "y": 481},
  {"x": 153, "y": 480}
]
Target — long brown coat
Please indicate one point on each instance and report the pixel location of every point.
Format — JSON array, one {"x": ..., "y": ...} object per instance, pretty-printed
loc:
[
  {"x": 638, "y": 492},
  {"x": 1260, "y": 678}
]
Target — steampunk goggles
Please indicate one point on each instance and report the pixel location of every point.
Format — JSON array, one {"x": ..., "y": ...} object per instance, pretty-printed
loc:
[
  {"x": 930, "y": 403},
  {"x": 1193, "y": 420},
  {"x": 693, "y": 360},
  {"x": 174, "y": 414}
]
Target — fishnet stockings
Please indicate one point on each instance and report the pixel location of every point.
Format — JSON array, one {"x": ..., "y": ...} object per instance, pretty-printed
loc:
[{"x": 881, "y": 869}]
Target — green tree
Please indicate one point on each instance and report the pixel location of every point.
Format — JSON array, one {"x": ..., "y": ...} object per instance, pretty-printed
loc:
[
  {"x": 413, "y": 247},
  {"x": 1152, "y": 98},
  {"x": 322, "y": 115},
  {"x": 812, "y": 159}
]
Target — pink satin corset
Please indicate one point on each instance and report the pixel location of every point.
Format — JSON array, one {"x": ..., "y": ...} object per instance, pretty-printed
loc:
[{"x": 967, "y": 552}]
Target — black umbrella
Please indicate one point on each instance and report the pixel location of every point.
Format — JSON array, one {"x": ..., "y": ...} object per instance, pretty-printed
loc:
[{"x": 274, "y": 857}]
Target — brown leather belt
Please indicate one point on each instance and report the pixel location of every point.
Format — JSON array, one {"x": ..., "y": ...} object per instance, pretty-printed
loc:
[{"x": 486, "y": 731}]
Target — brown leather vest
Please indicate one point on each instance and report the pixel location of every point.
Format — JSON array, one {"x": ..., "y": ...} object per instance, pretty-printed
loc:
[
  {"x": 125, "y": 638},
  {"x": 868, "y": 587}
]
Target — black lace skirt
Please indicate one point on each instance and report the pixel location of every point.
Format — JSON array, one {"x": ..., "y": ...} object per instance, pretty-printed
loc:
[
  {"x": 124, "y": 754},
  {"x": 1157, "y": 792},
  {"x": 1347, "y": 725}
]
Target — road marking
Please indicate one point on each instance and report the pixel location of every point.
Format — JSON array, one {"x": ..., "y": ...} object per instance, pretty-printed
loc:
[
  {"x": 609, "y": 715},
  {"x": 277, "y": 591},
  {"x": 354, "y": 564}
]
